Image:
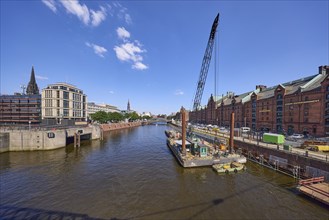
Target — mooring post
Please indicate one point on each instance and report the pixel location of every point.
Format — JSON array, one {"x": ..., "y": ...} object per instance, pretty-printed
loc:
[
  {"x": 232, "y": 133},
  {"x": 183, "y": 113},
  {"x": 75, "y": 140},
  {"x": 79, "y": 140}
]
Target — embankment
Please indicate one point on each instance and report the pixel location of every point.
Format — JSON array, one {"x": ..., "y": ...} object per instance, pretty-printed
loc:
[{"x": 117, "y": 126}]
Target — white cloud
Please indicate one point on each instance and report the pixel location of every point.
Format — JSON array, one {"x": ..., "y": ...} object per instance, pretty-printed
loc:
[
  {"x": 122, "y": 33},
  {"x": 179, "y": 92},
  {"x": 86, "y": 15},
  {"x": 99, "y": 50},
  {"x": 75, "y": 8},
  {"x": 130, "y": 52},
  {"x": 50, "y": 4},
  {"x": 139, "y": 66},
  {"x": 41, "y": 77},
  {"x": 111, "y": 92},
  {"x": 128, "y": 18},
  {"x": 98, "y": 16}
]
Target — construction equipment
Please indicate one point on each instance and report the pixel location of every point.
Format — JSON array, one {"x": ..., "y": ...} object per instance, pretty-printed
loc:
[{"x": 205, "y": 65}]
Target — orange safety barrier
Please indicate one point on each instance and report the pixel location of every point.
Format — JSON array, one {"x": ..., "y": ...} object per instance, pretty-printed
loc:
[{"x": 311, "y": 180}]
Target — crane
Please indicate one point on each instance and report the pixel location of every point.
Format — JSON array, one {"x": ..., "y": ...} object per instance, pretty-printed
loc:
[{"x": 205, "y": 65}]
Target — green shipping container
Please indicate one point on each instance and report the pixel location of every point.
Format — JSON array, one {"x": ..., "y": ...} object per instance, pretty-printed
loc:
[{"x": 273, "y": 138}]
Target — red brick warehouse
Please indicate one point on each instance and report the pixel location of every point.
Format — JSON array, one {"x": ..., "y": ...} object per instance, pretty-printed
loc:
[{"x": 299, "y": 106}]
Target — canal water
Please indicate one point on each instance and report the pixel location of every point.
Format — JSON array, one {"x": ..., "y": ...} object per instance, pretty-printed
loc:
[{"x": 133, "y": 175}]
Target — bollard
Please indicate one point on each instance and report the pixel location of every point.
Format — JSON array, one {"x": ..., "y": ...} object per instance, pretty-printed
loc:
[{"x": 306, "y": 153}]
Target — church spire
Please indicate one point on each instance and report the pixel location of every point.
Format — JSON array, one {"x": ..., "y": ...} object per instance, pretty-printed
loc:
[
  {"x": 32, "y": 87},
  {"x": 128, "y": 106}
]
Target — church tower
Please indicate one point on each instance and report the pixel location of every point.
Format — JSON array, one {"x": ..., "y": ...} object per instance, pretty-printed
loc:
[
  {"x": 128, "y": 106},
  {"x": 32, "y": 87}
]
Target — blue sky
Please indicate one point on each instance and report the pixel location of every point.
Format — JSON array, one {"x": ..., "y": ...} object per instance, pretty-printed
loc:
[{"x": 150, "y": 52}]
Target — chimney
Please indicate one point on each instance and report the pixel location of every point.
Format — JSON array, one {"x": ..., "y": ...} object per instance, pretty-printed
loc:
[
  {"x": 323, "y": 70},
  {"x": 260, "y": 87}
]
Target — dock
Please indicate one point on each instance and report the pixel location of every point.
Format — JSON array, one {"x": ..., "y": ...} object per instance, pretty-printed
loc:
[{"x": 315, "y": 188}]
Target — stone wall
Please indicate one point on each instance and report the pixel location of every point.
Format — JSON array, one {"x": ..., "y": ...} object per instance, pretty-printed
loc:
[
  {"x": 4, "y": 142},
  {"x": 311, "y": 166},
  {"x": 25, "y": 140},
  {"x": 116, "y": 126}
]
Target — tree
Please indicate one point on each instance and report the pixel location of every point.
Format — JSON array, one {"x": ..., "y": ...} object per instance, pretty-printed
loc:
[
  {"x": 115, "y": 116},
  {"x": 133, "y": 116},
  {"x": 100, "y": 116}
]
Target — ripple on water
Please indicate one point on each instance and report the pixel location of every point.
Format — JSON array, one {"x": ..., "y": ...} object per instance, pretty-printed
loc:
[{"x": 132, "y": 174}]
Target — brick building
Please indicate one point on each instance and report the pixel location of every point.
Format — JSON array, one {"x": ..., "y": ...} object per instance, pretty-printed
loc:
[{"x": 299, "y": 106}]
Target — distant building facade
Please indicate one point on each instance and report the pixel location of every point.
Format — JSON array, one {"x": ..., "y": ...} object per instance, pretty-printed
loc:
[
  {"x": 93, "y": 108},
  {"x": 22, "y": 109},
  {"x": 299, "y": 106},
  {"x": 63, "y": 103}
]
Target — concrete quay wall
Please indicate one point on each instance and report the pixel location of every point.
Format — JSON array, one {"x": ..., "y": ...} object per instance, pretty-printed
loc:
[
  {"x": 116, "y": 126},
  {"x": 311, "y": 167},
  {"x": 25, "y": 140}
]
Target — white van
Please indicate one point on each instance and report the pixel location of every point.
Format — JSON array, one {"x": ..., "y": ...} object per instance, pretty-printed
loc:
[{"x": 244, "y": 129}]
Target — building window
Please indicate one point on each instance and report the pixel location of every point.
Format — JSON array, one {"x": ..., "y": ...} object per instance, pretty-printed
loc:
[
  {"x": 279, "y": 97},
  {"x": 65, "y": 95},
  {"x": 65, "y": 112},
  {"x": 57, "y": 94},
  {"x": 306, "y": 98},
  {"x": 65, "y": 104},
  {"x": 305, "y": 120}
]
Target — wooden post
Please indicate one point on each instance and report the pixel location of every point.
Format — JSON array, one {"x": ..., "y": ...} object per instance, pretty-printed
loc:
[
  {"x": 75, "y": 139},
  {"x": 183, "y": 113},
  {"x": 232, "y": 133},
  {"x": 79, "y": 140}
]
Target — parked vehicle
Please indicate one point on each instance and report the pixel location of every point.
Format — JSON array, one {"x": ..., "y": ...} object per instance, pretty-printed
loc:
[
  {"x": 245, "y": 129},
  {"x": 296, "y": 136},
  {"x": 273, "y": 138}
]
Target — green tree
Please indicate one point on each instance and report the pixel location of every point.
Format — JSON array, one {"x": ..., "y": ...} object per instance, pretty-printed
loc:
[
  {"x": 133, "y": 116},
  {"x": 100, "y": 116},
  {"x": 115, "y": 116}
]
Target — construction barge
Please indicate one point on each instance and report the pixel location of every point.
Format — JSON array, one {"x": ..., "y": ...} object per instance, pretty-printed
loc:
[
  {"x": 195, "y": 152},
  {"x": 199, "y": 155}
]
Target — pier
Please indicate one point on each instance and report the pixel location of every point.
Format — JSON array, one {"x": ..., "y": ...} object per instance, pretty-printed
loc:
[{"x": 315, "y": 188}]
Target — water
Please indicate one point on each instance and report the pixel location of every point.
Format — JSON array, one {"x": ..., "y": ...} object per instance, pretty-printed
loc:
[{"x": 133, "y": 175}]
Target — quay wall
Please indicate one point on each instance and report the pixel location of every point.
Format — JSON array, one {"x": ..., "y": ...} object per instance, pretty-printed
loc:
[
  {"x": 312, "y": 166},
  {"x": 31, "y": 140},
  {"x": 116, "y": 126}
]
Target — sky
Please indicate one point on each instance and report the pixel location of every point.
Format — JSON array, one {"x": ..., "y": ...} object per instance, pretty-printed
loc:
[{"x": 151, "y": 52}]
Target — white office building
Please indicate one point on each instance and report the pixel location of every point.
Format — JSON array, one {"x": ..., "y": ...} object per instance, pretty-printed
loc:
[
  {"x": 63, "y": 103},
  {"x": 93, "y": 108}
]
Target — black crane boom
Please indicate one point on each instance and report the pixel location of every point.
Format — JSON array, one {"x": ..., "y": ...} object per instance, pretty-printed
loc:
[{"x": 205, "y": 65}]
